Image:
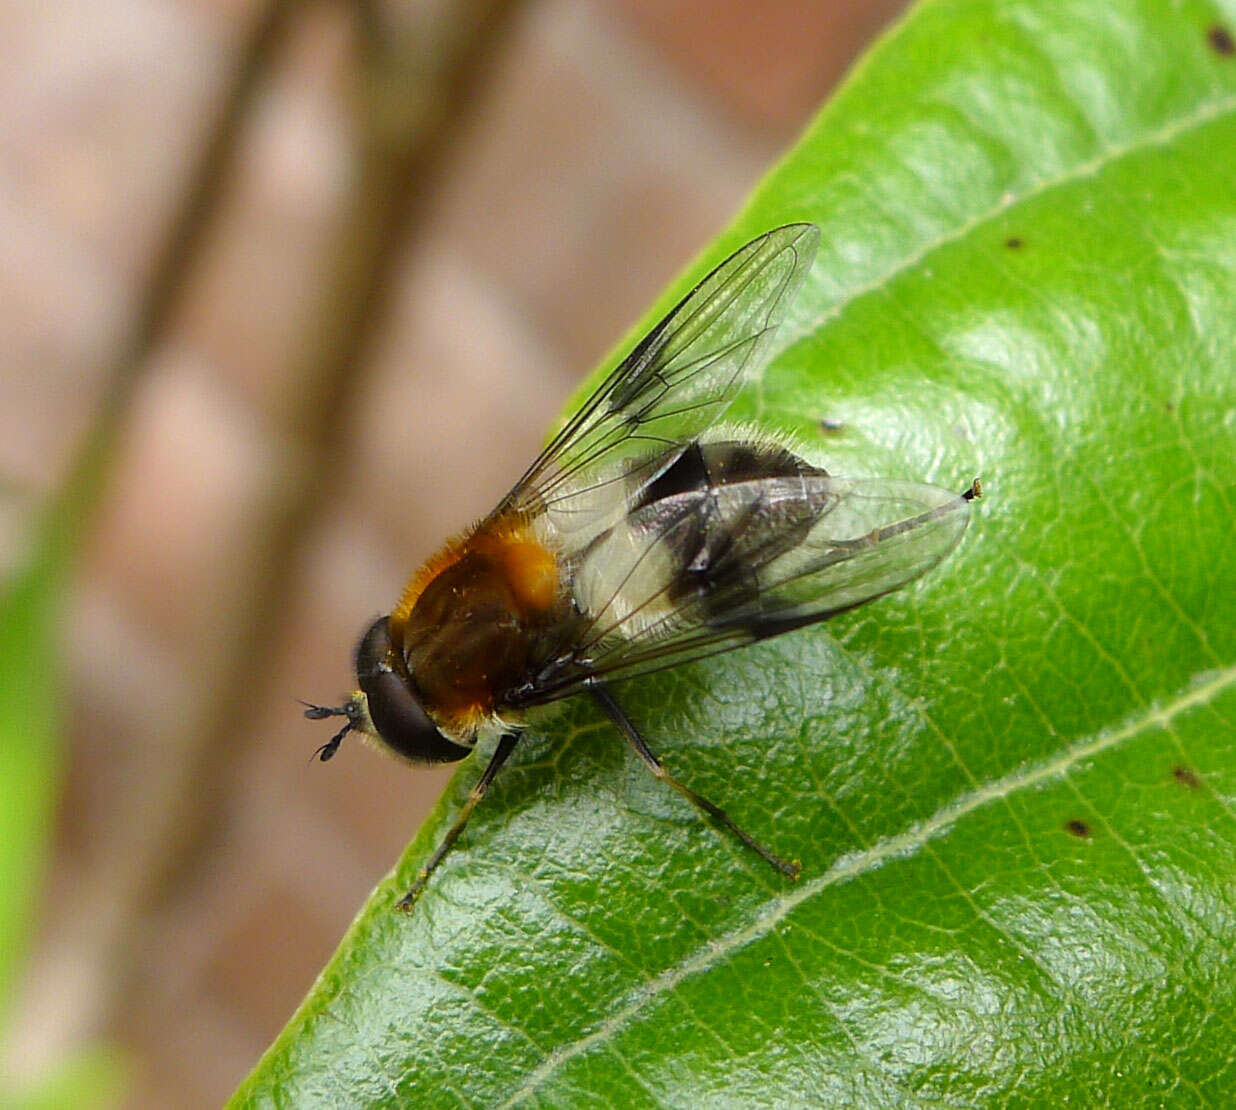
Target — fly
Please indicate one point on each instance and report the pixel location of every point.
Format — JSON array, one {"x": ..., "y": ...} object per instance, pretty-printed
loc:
[{"x": 647, "y": 534}]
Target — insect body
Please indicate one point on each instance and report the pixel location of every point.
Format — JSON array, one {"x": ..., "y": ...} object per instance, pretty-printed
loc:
[{"x": 645, "y": 535}]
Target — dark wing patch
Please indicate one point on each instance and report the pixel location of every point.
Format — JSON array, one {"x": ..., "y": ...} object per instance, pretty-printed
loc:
[
  {"x": 717, "y": 463},
  {"x": 708, "y": 572}
]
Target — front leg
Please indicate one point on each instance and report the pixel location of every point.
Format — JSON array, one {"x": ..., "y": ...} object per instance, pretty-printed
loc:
[{"x": 506, "y": 745}]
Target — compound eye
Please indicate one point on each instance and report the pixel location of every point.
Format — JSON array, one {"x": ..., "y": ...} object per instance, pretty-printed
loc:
[{"x": 394, "y": 705}]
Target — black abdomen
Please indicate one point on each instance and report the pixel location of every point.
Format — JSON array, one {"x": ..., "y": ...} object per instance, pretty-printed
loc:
[
  {"x": 704, "y": 466},
  {"x": 695, "y": 539},
  {"x": 727, "y": 532}
]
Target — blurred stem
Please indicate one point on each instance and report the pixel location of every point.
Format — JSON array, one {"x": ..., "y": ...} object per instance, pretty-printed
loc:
[
  {"x": 71, "y": 509},
  {"x": 414, "y": 89},
  {"x": 78, "y": 496}
]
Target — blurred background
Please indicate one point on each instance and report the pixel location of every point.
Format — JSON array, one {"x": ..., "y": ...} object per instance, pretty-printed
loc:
[{"x": 313, "y": 278}]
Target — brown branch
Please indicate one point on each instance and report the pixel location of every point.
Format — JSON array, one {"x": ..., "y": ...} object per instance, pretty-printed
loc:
[
  {"x": 79, "y": 494},
  {"x": 412, "y": 94},
  {"x": 72, "y": 508},
  {"x": 414, "y": 89}
]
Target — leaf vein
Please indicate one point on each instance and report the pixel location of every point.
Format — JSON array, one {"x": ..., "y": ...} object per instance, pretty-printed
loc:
[
  {"x": 1202, "y": 693},
  {"x": 1207, "y": 113}
]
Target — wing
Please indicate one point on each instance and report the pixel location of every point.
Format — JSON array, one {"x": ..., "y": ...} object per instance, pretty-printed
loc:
[
  {"x": 676, "y": 382},
  {"x": 727, "y": 567}
]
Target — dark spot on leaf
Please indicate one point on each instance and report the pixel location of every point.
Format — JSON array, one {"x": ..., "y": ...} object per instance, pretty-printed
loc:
[
  {"x": 1168, "y": 406},
  {"x": 1221, "y": 41},
  {"x": 1077, "y": 827},
  {"x": 1186, "y": 776},
  {"x": 830, "y": 425},
  {"x": 1014, "y": 242}
]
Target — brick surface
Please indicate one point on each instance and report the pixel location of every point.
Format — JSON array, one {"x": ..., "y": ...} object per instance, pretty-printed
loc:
[
  {"x": 102, "y": 106},
  {"x": 769, "y": 63},
  {"x": 611, "y": 176},
  {"x": 459, "y": 397},
  {"x": 260, "y": 271},
  {"x": 254, "y": 968},
  {"x": 174, "y": 533}
]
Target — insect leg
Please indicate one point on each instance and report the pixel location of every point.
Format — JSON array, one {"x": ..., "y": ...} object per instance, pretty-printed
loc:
[
  {"x": 506, "y": 745},
  {"x": 631, "y": 734}
]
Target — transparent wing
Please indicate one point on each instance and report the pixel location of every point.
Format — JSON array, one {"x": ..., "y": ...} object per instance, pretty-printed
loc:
[
  {"x": 746, "y": 562},
  {"x": 676, "y": 382}
]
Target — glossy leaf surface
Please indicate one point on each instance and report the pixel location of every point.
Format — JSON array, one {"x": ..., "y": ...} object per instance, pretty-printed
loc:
[{"x": 1012, "y": 785}]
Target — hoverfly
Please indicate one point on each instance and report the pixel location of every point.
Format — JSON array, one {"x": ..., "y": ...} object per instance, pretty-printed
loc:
[{"x": 645, "y": 535}]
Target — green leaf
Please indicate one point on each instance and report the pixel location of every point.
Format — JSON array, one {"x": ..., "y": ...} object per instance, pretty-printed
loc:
[
  {"x": 29, "y": 737},
  {"x": 93, "y": 1077},
  {"x": 1013, "y": 784},
  {"x": 32, "y": 638}
]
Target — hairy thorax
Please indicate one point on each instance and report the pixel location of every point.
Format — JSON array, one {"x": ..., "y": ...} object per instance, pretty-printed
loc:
[{"x": 469, "y": 629}]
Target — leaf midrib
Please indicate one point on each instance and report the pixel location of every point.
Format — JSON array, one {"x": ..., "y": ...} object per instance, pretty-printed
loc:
[{"x": 856, "y": 864}]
